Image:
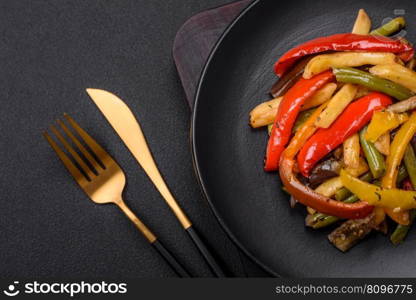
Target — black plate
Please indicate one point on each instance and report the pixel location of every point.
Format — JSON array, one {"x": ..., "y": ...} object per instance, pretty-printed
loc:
[{"x": 229, "y": 155}]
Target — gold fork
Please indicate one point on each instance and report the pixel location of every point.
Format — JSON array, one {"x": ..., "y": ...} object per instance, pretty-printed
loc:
[{"x": 101, "y": 178}]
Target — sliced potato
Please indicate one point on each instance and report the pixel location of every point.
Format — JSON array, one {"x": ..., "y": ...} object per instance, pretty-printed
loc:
[
  {"x": 321, "y": 96},
  {"x": 264, "y": 113},
  {"x": 383, "y": 144},
  {"x": 403, "y": 106},
  {"x": 329, "y": 187},
  {"x": 362, "y": 24},
  {"x": 324, "y": 62},
  {"x": 396, "y": 73},
  {"x": 352, "y": 151},
  {"x": 336, "y": 105}
]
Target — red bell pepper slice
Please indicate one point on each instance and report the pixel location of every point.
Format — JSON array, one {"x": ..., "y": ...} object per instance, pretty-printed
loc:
[
  {"x": 309, "y": 197},
  {"x": 343, "y": 42},
  {"x": 287, "y": 113},
  {"x": 352, "y": 119}
]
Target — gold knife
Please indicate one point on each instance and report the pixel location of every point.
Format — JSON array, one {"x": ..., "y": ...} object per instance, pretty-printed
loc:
[{"x": 127, "y": 127}]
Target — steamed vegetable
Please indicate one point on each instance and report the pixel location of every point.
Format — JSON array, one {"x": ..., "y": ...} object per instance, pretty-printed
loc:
[
  {"x": 397, "y": 199},
  {"x": 352, "y": 151},
  {"x": 320, "y": 220},
  {"x": 351, "y": 232},
  {"x": 374, "y": 158},
  {"x": 325, "y": 170},
  {"x": 397, "y": 149},
  {"x": 289, "y": 79},
  {"x": 353, "y": 118},
  {"x": 391, "y": 27},
  {"x": 310, "y": 198},
  {"x": 410, "y": 163},
  {"x": 305, "y": 131},
  {"x": 403, "y": 106},
  {"x": 331, "y": 186},
  {"x": 325, "y": 62},
  {"x": 396, "y": 73},
  {"x": 321, "y": 96},
  {"x": 383, "y": 144},
  {"x": 338, "y": 90},
  {"x": 382, "y": 122},
  {"x": 286, "y": 116},
  {"x": 375, "y": 83},
  {"x": 336, "y": 105},
  {"x": 401, "y": 231},
  {"x": 344, "y": 193},
  {"x": 362, "y": 24},
  {"x": 264, "y": 113},
  {"x": 343, "y": 42}
]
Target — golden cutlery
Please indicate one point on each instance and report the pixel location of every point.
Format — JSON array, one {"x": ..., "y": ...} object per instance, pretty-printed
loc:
[
  {"x": 128, "y": 128},
  {"x": 101, "y": 178}
]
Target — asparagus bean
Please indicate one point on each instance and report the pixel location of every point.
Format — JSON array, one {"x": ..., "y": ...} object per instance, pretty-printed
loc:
[
  {"x": 391, "y": 27},
  {"x": 375, "y": 83},
  {"x": 374, "y": 158}
]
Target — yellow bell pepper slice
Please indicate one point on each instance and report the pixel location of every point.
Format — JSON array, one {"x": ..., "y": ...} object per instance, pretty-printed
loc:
[
  {"x": 397, "y": 149},
  {"x": 382, "y": 122},
  {"x": 389, "y": 198}
]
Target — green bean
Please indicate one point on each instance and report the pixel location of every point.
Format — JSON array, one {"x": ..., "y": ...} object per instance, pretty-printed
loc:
[
  {"x": 374, "y": 158},
  {"x": 320, "y": 220},
  {"x": 410, "y": 163},
  {"x": 401, "y": 231},
  {"x": 375, "y": 83},
  {"x": 302, "y": 117},
  {"x": 391, "y": 27},
  {"x": 344, "y": 193},
  {"x": 402, "y": 174}
]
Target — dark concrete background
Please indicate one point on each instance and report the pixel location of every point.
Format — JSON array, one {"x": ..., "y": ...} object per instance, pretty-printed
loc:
[{"x": 50, "y": 51}]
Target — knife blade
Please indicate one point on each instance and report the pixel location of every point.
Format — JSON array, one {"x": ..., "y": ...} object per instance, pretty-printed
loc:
[
  {"x": 127, "y": 127},
  {"x": 122, "y": 119}
]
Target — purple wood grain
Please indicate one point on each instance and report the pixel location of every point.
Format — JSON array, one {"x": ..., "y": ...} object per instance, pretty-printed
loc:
[{"x": 195, "y": 40}]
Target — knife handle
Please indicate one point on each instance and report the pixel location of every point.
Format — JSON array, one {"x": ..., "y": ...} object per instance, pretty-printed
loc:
[
  {"x": 216, "y": 269},
  {"x": 179, "y": 270}
]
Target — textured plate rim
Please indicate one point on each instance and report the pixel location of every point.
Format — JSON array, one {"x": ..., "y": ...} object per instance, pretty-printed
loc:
[{"x": 193, "y": 146}]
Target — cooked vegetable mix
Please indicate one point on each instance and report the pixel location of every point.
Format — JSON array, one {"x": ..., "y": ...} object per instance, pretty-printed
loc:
[
  {"x": 342, "y": 128},
  {"x": 390, "y": 27},
  {"x": 375, "y": 83}
]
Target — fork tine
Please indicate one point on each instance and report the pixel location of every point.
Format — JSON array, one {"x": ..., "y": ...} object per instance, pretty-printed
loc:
[
  {"x": 84, "y": 151},
  {"x": 78, "y": 176},
  {"x": 95, "y": 147},
  {"x": 75, "y": 155}
]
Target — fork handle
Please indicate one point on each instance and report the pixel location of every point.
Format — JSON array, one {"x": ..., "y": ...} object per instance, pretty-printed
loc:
[
  {"x": 209, "y": 258},
  {"x": 151, "y": 238},
  {"x": 179, "y": 270}
]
